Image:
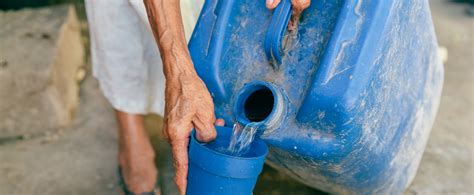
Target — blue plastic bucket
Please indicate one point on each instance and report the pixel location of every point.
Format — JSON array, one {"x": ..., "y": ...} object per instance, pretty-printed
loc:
[{"x": 213, "y": 172}]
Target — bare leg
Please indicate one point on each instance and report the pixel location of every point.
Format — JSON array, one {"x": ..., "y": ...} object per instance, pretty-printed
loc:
[{"x": 136, "y": 155}]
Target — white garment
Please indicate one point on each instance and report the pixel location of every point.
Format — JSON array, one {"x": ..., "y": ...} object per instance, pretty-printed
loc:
[{"x": 125, "y": 57}]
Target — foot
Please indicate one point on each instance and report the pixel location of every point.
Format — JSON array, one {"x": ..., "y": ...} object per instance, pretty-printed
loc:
[
  {"x": 136, "y": 155},
  {"x": 139, "y": 172}
]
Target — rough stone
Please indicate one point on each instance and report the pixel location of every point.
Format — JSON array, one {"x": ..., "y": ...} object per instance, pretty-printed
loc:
[{"x": 40, "y": 54}]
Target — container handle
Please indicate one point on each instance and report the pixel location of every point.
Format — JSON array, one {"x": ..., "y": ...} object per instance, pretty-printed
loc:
[{"x": 276, "y": 31}]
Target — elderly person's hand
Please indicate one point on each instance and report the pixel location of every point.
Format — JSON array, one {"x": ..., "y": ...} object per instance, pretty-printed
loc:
[
  {"x": 188, "y": 105},
  {"x": 298, "y": 5}
]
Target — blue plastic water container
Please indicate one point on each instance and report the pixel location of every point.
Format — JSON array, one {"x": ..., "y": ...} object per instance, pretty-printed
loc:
[
  {"x": 213, "y": 172},
  {"x": 347, "y": 100}
]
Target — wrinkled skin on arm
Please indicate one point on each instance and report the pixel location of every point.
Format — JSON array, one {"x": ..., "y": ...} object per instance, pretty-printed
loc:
[{"x": 188, "y": 103}]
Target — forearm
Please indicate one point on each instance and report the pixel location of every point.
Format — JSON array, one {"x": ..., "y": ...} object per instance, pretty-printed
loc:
[{"x": 166, "y": 22}]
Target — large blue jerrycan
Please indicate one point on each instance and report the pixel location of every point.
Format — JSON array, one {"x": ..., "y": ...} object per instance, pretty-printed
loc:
[{"x": 347, "y": 100}]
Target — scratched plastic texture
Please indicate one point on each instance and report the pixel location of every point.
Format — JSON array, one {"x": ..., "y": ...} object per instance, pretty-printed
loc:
[{"x": 356, "y": 92}]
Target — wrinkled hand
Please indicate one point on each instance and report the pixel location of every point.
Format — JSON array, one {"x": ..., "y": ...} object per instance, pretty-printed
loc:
[
  {"x": 298, "y": 7},
  {"x": 188, "y": 105}
]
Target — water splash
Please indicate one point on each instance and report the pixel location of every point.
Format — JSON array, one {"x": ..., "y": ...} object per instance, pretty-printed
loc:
[{"x": 242, "y": 138}]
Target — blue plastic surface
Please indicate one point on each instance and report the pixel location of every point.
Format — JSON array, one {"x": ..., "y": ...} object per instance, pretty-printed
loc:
[
  {"x": 276, "y": 31},
  {"x": 351, "y": 106},
  {"x": 212, "y": 172}
]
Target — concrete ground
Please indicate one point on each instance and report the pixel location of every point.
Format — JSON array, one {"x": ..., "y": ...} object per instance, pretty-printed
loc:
[
  {"x": 81, "y": 159},
  {"x": 447, "y": 164}
]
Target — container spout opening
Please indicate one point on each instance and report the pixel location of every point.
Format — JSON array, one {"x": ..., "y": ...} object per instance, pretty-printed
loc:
[
  {"x": 259, "y": 105},
  {"x": 259, "y": 102}
]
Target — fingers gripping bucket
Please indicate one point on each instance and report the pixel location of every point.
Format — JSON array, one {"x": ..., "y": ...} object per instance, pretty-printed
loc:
[{"x": 213, "y": 172}]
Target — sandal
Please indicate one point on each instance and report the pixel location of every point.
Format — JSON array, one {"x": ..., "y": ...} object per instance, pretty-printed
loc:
[{"x": 125, "y": 190}]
